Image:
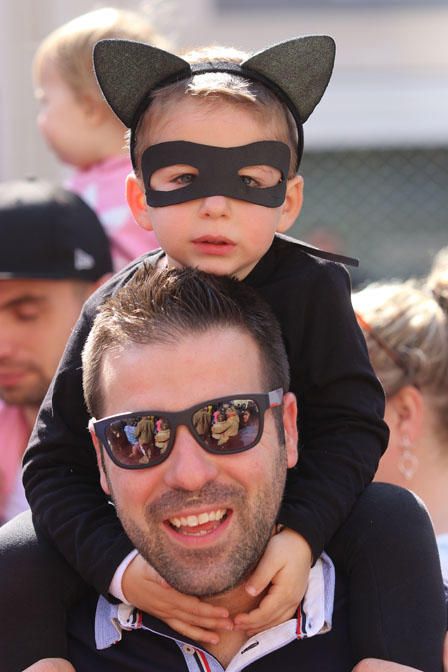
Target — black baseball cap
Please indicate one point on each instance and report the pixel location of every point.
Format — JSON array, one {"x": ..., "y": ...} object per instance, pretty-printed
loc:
[{"x": 51, "y": 233}]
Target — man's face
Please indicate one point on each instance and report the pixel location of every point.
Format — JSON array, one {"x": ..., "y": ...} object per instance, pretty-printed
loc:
[
  {"x": 36, "y": 317},
  {"x": 201, "y": 520},
  {"x": 217, "y": 234}
]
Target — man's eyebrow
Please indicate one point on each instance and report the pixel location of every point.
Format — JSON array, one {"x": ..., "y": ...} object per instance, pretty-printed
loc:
[{"x": 24, "y": 299}]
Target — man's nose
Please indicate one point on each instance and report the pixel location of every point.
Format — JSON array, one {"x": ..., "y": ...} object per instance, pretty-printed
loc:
[
  {"x": 8, "y": 344},
  {"x": 189, "y": 467},
  {"x": 215, "y": 206}
]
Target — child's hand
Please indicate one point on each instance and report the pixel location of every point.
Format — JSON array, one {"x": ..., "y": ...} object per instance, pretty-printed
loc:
[
  {"x": 285, "y": 565},
  {"x": 51, "y": 665},
  {"x": 144, "y": 588}
]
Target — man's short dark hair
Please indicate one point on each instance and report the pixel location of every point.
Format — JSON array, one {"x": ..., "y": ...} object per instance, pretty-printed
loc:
[{"x": 162, "y": 306}]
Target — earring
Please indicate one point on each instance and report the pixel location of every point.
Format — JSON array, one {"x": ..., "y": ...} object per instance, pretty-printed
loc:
[{"x": 408, "y": 462}]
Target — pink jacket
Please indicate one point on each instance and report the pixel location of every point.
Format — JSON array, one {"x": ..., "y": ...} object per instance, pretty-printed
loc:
[
  {"x": 14, "y": 435},
  {"x": 102, "y": 186}
]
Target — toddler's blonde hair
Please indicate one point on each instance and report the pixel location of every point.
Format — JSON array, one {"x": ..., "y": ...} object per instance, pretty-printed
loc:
[{"x": 70, "y": 46}]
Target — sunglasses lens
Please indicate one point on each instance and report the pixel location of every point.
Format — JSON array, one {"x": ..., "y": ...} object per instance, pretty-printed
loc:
[
  {"x": 228, "y": 426},
  {"x": 139, "y": 440},
  {"x": 223, "y": 426}
]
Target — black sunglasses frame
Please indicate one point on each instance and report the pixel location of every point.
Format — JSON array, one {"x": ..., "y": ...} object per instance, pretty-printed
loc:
[{"x": 184, "y": 418}]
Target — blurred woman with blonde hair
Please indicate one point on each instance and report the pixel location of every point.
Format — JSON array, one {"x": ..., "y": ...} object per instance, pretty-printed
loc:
[{"x": 406, "y": 328}]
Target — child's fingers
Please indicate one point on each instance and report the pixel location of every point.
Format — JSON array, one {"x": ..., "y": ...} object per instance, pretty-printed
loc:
[
  {"x": 254, "y": 621},
  {"x": 153, "y": 575},
  {"x": 285, "y": 565},
  {"x": 204, "y": 622},
  {"x": 193, "y": 632},
  {"x": 144, "y": 587},
  {"x": 193, "y": 607},
  {"x": 265, "y": 570},
  {"x": 271, "y": 611},
  {"x": 165, "y": 603}
]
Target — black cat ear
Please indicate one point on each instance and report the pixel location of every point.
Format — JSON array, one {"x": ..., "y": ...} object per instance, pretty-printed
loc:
[
  {"x": 126, "y": 71},
  {"x": 301, "y": 68}
]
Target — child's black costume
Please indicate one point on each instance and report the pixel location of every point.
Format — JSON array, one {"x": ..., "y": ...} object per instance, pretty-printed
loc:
[{"x": 343, "y": 434}]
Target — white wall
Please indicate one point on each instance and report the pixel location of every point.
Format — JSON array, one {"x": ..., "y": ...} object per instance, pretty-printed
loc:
[{"x": 390, "y": 85}]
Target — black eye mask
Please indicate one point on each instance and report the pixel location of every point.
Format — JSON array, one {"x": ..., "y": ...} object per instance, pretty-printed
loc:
[{"x": 217, "y": 171}]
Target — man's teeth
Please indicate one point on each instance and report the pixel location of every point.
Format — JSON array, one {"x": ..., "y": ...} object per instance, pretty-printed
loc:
[{"x": 201, "y": 519}]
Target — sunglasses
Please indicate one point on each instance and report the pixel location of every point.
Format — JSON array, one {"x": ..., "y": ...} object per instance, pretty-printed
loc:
[{"x": 222, "y": 426}]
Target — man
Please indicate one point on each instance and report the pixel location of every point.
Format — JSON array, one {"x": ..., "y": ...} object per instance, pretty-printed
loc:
[
  {"x": 53, "y": 254},
  {"x": 200, "y": 512}
]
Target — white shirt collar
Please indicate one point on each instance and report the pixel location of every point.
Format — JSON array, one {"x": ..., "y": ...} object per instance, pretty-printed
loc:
[{"x": 314, "y": 617}]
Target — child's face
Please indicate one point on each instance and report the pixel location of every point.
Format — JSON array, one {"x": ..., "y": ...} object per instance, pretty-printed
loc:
[
  {"x": 62, "y": 117},
  {"x": 217, "y": 234}
]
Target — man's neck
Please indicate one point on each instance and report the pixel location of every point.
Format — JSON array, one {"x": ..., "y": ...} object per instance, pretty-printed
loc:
[
  {"x": 30, "y": 415},
  {"x": 237, "y": 601}
]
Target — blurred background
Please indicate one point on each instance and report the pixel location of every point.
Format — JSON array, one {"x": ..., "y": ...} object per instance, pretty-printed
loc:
[{"x": 376, "y": 149}]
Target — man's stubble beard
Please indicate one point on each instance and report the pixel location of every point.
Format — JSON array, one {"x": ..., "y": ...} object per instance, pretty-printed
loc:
[
  {"x": 32, "y": 395},
  {"x": 210, "y": 571}
]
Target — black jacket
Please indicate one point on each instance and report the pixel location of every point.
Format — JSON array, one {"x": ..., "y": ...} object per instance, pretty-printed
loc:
[{"x": 341, "y": 404}]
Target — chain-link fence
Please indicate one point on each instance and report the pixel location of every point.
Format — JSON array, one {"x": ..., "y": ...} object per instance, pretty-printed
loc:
[{"x": 389, "y": 208}]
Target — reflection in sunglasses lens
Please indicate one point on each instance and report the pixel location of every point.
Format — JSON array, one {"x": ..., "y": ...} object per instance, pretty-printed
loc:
[
  {"x": 234, "y": 425},
  {"x": 140, "y": 439},
  {"x": 221, "y": 427}
]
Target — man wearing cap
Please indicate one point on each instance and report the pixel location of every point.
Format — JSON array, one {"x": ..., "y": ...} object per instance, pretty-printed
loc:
[{"x": 53, "y": 254}]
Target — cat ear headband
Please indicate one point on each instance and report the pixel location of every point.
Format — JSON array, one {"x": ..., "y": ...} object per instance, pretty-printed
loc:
[{"x": 296, "y": 71}]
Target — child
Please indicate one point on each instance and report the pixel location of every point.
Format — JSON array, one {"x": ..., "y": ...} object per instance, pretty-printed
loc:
[
  {"x": 79, "y": 126},
  {"x": 216, "y": 153}
]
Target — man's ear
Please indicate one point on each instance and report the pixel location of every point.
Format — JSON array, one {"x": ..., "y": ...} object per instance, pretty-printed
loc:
[
  {"x": 136, "y": 199},
  {"x": 405, "y": 412},
  {"x": 292, "y": 204},
  {"x": 99, "y": 459},
  {"x": 290, "y": 427}
]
